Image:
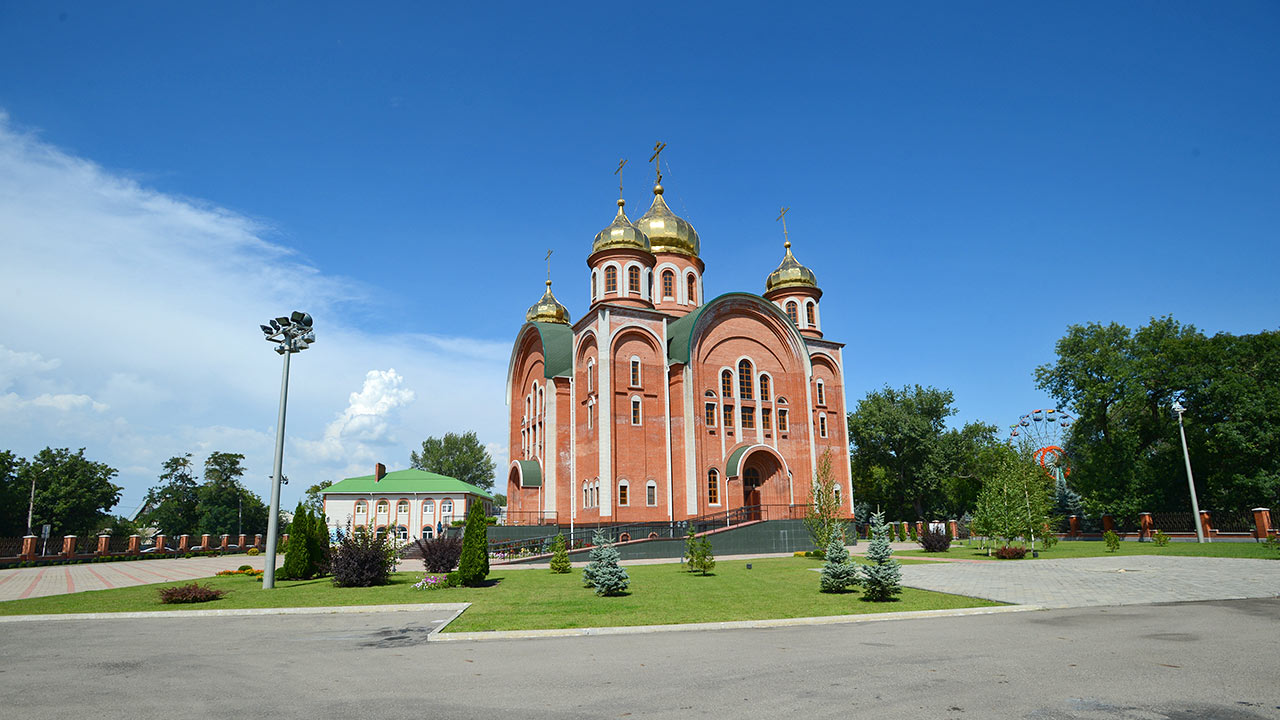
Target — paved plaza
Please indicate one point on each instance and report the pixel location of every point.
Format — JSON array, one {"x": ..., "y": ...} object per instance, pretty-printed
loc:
[
  {"x": 18, "y": 583},
  {"x": 1088, "y": 582}
]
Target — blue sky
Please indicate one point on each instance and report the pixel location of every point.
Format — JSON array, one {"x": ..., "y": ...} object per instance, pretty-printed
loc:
[{"x": 965, "y": 179}]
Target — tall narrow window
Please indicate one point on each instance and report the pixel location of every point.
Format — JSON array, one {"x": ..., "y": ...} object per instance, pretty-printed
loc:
[
  {"x": 711, "y": 415},
  {"x": 822, "y": 425},
  {"x": 692, "y": 288},
  {"x": 726, "y": 384},
  {"x": 766, "y": 418},
  {"x": 793, "y": 312},
  {"x": 635, "y": 372},
  {"x": 668, "y": 284},
  {"x": 808, "y": 314},
  {"x": 728, "y": 417},
  {"x": 764, "y": 388},
  {"x": 782, "y": 419},
  {"x": 822, "y": 393},
  {"x": 586, "y": 495},
  {"x": 713, "y": 487},
  {"x": 591, "y": 371},
  {"x": 748, "y": 418},
  {"x": 633, "y": 279},
  {"x": 744, "y": 380},
  {"x": 624, "y": 493},
  {"x": 611, "y": 279},
  {"x": 594, "y": 280},
  {"x": 651, "y": 493},
  {"x": 635, "y": 411}
]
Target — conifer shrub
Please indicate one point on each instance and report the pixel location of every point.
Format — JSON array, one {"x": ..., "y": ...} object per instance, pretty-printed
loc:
[
  {"x": 912, "y": 529},
  {"x": 440, "y": 554},
  {"x": 839, "y": 572},
  {"x": 193, "y": 593},
  {"x": 362, "y": 559},
  {"x": 242, "y": 568},
  {"x": 882, "y": 577},
  {"x": 697, "y": 553},
  {"x": 560, "y": 556},
  {"x": 604, "y": 573},
  {"x": 253, "y": 551},
  {"x": 1112, "y": 540},
  {"x": 935, "y": 540},
  {"x": 473, "y": 565},
  {"x": 307, "y": 555},
  {"x": 1160, "y": 539},
  {"x": 1011, "y": 552}
]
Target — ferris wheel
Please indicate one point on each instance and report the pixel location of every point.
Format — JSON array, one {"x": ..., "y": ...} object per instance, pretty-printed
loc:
[{"x": 1045, "y": 431}]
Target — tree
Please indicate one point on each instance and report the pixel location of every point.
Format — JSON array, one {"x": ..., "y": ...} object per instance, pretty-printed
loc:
[
  {"x": 13, "y": 496},
  {"x": 603, "y": 572},
  {"x": 882, "y": 577},
  {"x": 904, "y": 458},
  {"x": 838, "y": 571},
  {"x": 315, "y": 496},
  {"x": 822, "y": 517},
  {"x": 473, "y": 566},
  {"x": 172, "y": 507},
  {"x": 456, "y": 456},
  {"x": 73, "y": 493},
  {"x": 298, "y": 563},
  {"x": 559, "y": 556},
  {"x": 1016, "y": 498},
  {"x": 225, "y": 506},
  {"x": 499, "y": 500},
  {"x": 697, "y": 553}
]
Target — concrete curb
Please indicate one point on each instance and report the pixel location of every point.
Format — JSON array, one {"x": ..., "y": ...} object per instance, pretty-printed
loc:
[
  {"x": 437, "y": 636},
  {"x": 248, "y": 612}
]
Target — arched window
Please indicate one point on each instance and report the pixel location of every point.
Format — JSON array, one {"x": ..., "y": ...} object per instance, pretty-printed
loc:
[
  {"x": 726, "y": 385},
  {"x": 633, "y": 279},
  {"x": 446, "y": 507},
  {"x": 635, "y": 372},
  {"x": 402, "y": 507},
  {"x": 793, "y": 311},
  {"x": 691, "y": 284},
  {"x": 651, "y": 493},
  {"x": 836, "y": 487},
  {"x": 428, "y": 508},
  {"x": 822, "y": 425},
  {"x": 591, "y": 372},
  {"x": 586, "y": 494},
  {"x": 611, "y": 279},
  {"x": 744, "y": 380},
  {"x": 383, "y": 507},
  {"x": 595, "y": 493},
  {"x": 362, "y": 507},
  {"x": 635, "y": 411},
  {"x": 808, "y": 314},
  {"x": 764, "y": 388},
  {"x": 822, "y": 393},
  {"x": 402, "y": 532},
  {"x": 594, "y": 279},
  {"x": 668, "y": 284},
  {"x": 542, "y": 401},
  {"x": 713, "y": 487},
  {"x": 624, "y": 492}
]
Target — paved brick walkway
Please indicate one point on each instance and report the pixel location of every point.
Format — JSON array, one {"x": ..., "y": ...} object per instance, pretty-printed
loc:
[
  {"x": 17, "y": 583},
  {"x": 1084, "y": 582}
]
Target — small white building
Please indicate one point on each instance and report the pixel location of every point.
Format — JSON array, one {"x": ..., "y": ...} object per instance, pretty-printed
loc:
[{"x": 410, "y": 503}]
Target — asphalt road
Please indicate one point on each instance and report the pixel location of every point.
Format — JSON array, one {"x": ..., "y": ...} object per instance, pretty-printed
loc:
[{"x": 1203, "y": 660}]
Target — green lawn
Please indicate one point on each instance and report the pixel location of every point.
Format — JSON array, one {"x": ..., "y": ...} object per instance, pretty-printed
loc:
[
  {"x": 527, "y": 599},
  {"x": 1097, "y": 548}
]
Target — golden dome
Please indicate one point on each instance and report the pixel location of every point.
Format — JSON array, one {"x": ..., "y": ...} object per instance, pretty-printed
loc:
[
  {"x": 620, "y": 234},
  {"x": 548, "y": 310},
  {"x": 790, "y": 273},
  {"x": 668, "y": 233}
]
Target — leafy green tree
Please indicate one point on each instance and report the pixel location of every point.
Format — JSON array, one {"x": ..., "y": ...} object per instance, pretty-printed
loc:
[
  {"x": 839, "y": 572},
  {"x": 456, "y": 456},
  {"x": 823, "y": 517},
  {"x": 315, "y": 496},
  {"x": 473, "y": 566},
  {"x": 1016, "y": 498},
  {"x": 560, "y": 556},
  {"x": 499, "y": 500},
  {"x": 882, "y": 576},
  {"x": 73, "y": 493},
  {"x": 906, "y": 460},
  {"x": 13, "y": 496},
  {"x": 172, "y": 507},
  {"x": 226, "y": 506}
]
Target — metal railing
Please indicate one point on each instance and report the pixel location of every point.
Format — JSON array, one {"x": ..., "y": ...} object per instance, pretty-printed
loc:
[
  {"x": 1232, "y": 521},
  {"x": 118, "y": 544},
  {"x": 10, "y": 547},
  {"x": 1180, "y": 522},
  {"x": 531, "y": 517}
]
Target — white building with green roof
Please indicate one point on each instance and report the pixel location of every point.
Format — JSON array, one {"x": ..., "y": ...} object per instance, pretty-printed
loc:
[{"x": 411, "y": 503}]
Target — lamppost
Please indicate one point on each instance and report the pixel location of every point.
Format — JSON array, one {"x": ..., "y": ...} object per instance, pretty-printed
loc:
[
  {"x": 1195, "y": 506},
  {"x": 290, "y": 335}
]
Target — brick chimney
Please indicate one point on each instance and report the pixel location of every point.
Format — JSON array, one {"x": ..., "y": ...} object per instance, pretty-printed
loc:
[{"x": 379, "y": 472}]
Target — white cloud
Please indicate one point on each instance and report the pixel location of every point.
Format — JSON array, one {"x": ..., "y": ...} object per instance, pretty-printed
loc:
[{"x": 130, "y": 328}]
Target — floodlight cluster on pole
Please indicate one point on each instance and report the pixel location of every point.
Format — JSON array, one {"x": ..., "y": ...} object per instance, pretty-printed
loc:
[
  {"x": 1186, "y": 456},
  {"x": 290, "y": 335}
]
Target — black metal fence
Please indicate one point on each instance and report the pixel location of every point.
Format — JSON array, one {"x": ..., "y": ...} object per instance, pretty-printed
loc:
[
  {"x": 1232, "y": 521},
  {"x": 118, "y": 544},
  {"x": 1180, "y": 522},
  {"x": 10, "y": 547}
]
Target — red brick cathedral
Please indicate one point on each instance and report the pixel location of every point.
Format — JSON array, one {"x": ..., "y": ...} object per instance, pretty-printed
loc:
[{"x": 662, "y": 405}]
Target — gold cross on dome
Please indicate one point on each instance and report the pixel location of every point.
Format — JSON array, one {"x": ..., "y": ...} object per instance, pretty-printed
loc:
[
  {"x": 657, "y": 162},
  {"x": 548, "y": 259},
  {"x": 618, "y": 172},
  {"x": 783, "y": 217}
]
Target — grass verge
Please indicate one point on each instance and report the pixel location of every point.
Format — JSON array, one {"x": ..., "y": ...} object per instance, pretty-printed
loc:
[
  {"x": 535, "y": 599},
  {"x": 1090, "y": 548}
]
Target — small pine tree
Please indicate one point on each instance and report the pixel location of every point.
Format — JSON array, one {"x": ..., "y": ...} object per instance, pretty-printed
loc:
[
  {"x": 559, "y": 556},
  {"x": 1112, "y": 540},
  {"x": 883, "y": 577},
  {"x": 473, "y": 566},
  {"x": 595, "y": 556},
  {"x": 915, "y": 537},
  {"x": 605, "y": 574},
  {"x": 298, "y": 563},
  {"x": 700, "y": 558},
  {"x": 838, "y": 572}
]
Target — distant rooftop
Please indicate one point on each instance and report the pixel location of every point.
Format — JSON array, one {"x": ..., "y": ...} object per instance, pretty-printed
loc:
[{"x": 406, "y": 482}]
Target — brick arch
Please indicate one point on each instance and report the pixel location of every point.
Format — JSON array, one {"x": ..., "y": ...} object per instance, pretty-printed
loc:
[{"x": 762, "y": 462}]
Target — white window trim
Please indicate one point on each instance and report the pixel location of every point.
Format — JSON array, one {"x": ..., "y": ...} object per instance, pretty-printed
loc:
[
  {"x": 821, "y": 393},
  {"x": 651, "y": 491},
  {"x": 637, "y": 404},
  {"x": 639, "y": 372},
  {"x": 624, "y": 483},
  {"x": 719, "y": 488}
]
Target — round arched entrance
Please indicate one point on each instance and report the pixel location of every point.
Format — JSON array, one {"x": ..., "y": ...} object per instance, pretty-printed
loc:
[{"x": 763, "y": 476}]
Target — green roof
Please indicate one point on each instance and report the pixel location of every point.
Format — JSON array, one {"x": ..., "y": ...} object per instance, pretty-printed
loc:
[
  {"x": 530, "y": 473},
  {"x": 406, "y": 482},
  {"x": 680, "y": 332},
  {"x": 731, "y": 468},
  {"x": 557, "y": 348}
]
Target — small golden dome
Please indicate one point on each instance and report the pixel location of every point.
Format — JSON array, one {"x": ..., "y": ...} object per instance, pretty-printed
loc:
[
  {"x": 620, "y": 234},
  {"x": 790, "y": 273},
  {"x": 548, "y": 310},
  {"x": 668, "y": 233}
]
